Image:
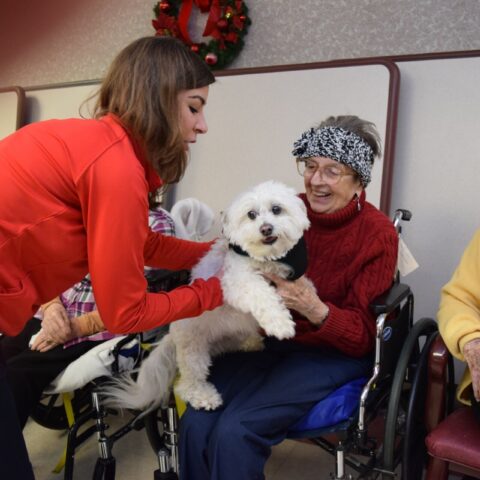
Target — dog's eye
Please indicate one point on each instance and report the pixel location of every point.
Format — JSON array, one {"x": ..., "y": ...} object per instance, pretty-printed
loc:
[
  {"x": 276, "y": 210},
  {"x": 252, "y": 214}
]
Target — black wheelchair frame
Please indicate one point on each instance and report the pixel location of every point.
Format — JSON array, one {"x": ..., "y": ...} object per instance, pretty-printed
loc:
[{"x": 90, "y": 413}]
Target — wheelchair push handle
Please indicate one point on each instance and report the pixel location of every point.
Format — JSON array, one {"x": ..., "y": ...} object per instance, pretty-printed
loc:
[{"x": 401, "y": 215}]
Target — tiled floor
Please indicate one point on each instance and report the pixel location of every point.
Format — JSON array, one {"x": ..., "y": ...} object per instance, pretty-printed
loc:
[{"x": 136, "y": 460}]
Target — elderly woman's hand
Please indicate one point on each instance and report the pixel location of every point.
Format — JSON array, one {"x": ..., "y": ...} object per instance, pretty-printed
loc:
[
  {"x": 471, "y": 352},
  {"x": 300, "y": 295},
  {"x": 42, "y": 343},
  {"x": 56, "y": 324}
]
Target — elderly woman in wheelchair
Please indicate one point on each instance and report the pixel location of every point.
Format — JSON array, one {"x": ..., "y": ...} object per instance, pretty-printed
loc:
[{"x": 352, "y": 250}]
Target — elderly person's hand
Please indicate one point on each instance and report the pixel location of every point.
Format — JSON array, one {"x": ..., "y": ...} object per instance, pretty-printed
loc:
[
  {"x": 300, "y": 295},
  {"x": 471, "y": 352},
  {"x": 42, "y": 343},
  {"x": 56, "y": 325}
]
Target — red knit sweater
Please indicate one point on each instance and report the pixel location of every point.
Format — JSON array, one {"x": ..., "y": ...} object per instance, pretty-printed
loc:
[{"x": 352, "y": 258}]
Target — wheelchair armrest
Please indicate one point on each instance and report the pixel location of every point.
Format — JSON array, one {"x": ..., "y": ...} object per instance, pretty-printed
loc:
[
  {"x": 439, "y": 386},
  {"x": 391, "y": 299}
]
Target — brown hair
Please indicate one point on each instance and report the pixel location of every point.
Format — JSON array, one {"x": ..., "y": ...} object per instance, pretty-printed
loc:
[{"x": 141, "y": 88}]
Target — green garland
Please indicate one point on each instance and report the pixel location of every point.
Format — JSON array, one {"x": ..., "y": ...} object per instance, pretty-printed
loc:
[{"x": 230, "y": 25}]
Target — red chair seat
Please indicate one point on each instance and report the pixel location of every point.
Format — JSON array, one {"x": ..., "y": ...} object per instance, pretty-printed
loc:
[{"x": 457, "y": 439}]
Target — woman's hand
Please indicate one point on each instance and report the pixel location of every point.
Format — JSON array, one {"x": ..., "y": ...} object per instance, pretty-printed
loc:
[
  {"x": 42, "y": 343},
  {"x": 471, "y": 352},
  {"x": 300, "y": 295},
  {"x": 56, "y": 324}
]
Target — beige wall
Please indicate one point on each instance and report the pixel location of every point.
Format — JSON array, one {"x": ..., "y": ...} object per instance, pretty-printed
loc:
[{"x": 52, "y": 41}]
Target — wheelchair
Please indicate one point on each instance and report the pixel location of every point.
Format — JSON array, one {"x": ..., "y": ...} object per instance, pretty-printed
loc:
[
  {"x": 379, "y": 426},
  {"x": 75, "y": 406}
]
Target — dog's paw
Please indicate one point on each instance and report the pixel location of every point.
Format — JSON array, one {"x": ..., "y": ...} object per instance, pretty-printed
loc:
[
  {"x": 280, "y": 329},
  {"x": 200, "y": 396}
]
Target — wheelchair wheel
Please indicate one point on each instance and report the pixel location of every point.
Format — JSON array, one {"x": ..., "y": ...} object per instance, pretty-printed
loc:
[
  {"x": 414, "y": 449},
  {"x": 403, "y": 430},
  {"x": 154, "y": 429},
  {"x": 50, "y": 411}
]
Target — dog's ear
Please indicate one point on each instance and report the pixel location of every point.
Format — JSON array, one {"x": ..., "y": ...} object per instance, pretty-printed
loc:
[
  {"x": 223, "y": 220},
  {"x": 223, "y": 217}
]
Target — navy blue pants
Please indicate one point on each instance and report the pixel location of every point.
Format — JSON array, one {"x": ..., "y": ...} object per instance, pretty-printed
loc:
[
  {"x": 264, "y": 394},
  {"x": 14, "y": 462}
]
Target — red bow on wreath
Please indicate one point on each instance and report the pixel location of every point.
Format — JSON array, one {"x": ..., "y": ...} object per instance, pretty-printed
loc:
[{"x": 204, "y": 5}]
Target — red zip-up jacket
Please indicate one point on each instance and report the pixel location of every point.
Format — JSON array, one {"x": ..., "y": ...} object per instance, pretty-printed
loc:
[{"x": 73, "y": 200}]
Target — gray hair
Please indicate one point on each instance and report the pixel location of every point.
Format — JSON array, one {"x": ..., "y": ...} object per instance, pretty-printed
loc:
[{"x": 363, "y": 128}]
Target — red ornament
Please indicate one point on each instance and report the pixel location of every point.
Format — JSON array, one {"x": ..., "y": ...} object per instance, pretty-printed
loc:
[
  {"x": 194, "y": 48},
  {"x": 222, "y": 24},
  {"x": 231, "y": 37},
  {"x": 211, "y": 58},
  {"x": 164, "y": 6}
]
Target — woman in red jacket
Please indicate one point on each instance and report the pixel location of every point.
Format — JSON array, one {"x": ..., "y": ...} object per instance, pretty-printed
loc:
[
  {"x": 73, "y": 200},
  {"x": 352, "y": 253}
]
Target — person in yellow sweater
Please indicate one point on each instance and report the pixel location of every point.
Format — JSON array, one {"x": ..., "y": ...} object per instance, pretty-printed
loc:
[{"x": 459, "y": 321}]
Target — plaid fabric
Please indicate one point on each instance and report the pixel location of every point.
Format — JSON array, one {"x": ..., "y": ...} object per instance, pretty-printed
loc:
[{"x": 79, "y": 299}]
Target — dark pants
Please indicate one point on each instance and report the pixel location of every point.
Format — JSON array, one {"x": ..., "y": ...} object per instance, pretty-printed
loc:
[
  {"x": 29, "y": 372},
  {"x": 476, "y": 408},
  {"x": 264, "y": 394},
  {"x": 14, "y": 462}
]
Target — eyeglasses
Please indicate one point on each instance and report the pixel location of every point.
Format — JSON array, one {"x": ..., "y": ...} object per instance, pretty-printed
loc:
[{"x": 330, "y": 174}]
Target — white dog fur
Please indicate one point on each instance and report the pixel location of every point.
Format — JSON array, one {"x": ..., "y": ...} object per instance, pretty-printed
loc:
[{"x": 266, "y": 222}]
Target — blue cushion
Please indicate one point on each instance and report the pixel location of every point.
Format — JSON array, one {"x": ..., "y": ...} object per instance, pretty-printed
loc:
[{"x": 334, "y": 408}]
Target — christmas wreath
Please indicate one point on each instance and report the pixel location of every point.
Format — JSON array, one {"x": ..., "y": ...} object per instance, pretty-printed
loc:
[{"x": 227, "y": 24}]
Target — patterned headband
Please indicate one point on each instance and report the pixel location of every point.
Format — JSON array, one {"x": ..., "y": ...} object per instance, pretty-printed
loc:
[{"x": 340, "y": 145}]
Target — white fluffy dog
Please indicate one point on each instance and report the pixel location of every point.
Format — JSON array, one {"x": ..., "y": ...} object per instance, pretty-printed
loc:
[{"x": 260, "y": 227}]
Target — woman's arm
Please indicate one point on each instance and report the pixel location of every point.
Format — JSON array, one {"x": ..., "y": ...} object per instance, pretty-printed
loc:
[
  {"x": 113, "y": 194},
  {"x": 87, "y": 324},
  {"x": 81, "y": 326},
  {"x": 173, "y": 253}
]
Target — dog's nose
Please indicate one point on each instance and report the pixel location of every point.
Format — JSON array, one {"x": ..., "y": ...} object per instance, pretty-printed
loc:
[{"x": 266, "y": 229}]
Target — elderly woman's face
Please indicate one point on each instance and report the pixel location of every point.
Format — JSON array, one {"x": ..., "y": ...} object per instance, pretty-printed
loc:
[{"x": 329, "y": 185}]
